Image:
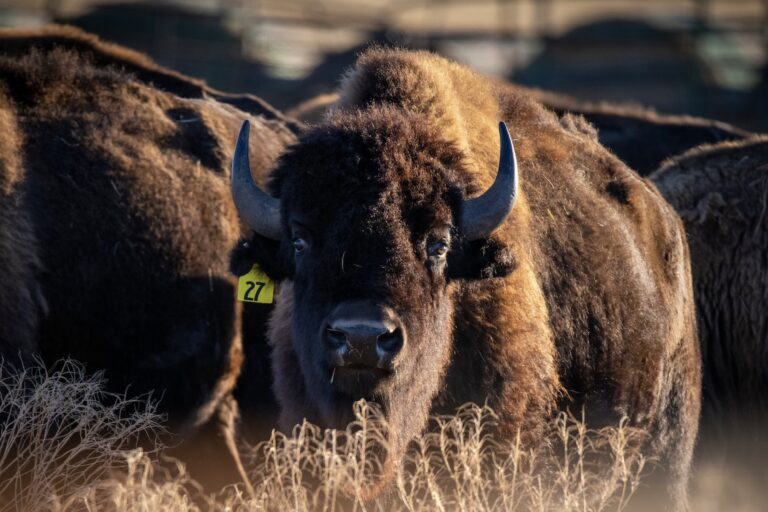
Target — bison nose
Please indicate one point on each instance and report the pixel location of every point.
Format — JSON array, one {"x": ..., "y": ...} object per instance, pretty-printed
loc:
[
  {"x": 373, "y": 339},
  {"x": 359, "y": 338}
]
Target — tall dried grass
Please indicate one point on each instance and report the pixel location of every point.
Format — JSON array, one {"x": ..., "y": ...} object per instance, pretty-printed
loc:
[
  {"x": 64, "y": 450},
  {"x": 60, "y": 430},
  {"x": 457, "y": 465}
]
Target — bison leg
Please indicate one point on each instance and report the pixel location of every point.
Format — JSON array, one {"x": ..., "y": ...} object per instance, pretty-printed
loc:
[
  {"x": 673, "y": 439},
  {"x": 22, "y": 304},
  {"x": 211, "y": 453}
]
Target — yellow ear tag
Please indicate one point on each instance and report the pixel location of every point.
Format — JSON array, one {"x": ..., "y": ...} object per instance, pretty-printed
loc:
[{"x": 255, "y": 286}]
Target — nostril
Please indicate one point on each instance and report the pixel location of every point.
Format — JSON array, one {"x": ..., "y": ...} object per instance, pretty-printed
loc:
[
  {"x": 336, "y": 339},
  {"x": 390, "y": 342}
]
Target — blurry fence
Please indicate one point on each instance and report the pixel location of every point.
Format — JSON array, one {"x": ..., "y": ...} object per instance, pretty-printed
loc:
[{"x": 704, "y": 57}]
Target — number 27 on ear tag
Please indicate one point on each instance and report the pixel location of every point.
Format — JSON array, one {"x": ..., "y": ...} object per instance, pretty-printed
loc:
[{"x": 255, "y": 286}]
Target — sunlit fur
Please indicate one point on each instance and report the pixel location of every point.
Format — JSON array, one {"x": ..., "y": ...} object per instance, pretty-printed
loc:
[{"x": 618, "y": 127}]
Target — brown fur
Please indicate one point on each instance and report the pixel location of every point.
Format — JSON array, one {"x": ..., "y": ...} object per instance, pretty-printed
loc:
[
  {"x": 721, "y": 193},
  {"x": 20, "y": 262},
  {"x": 116, "y": 217},
  {"x": 595, "y": 310},
  {"x": 103, "y": 54},
  {"x": 641, "y": 137},
  {"x": 313, "y": 109}
]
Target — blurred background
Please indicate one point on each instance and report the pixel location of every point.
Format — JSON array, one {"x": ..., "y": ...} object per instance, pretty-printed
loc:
[{"x": 699, "y": 57}]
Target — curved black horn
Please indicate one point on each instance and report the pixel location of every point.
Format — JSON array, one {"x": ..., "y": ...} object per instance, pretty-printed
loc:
[
  {"x": 485, "y": 213},
  {"x": 260, "y": 210}
]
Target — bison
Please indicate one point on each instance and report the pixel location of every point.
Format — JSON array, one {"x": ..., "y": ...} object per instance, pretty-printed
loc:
[
  {"x": 419, "y": 273},
  {"x": 641, "y": 137},
  {"x": 116, "y": 219},
  {"x": 721, "y": 193}
]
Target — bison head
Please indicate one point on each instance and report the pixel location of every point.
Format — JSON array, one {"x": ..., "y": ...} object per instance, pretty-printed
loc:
[{"x": 370, "y": 232}]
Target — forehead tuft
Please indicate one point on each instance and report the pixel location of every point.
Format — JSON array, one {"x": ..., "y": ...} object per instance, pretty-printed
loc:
[{"x": 367, "y": 154}]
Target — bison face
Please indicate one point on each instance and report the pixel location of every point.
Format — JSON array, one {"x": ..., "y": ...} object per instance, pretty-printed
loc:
[{"x": 374, "y": 233}]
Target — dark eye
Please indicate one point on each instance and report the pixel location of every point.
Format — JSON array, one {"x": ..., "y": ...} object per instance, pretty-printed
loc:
[
  {"x": 299, "y": 244},
  {"x": 437, "y": 250}
]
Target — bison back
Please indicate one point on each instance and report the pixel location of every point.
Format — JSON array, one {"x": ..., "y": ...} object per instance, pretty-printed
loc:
[{"x": 125, "y": 188}]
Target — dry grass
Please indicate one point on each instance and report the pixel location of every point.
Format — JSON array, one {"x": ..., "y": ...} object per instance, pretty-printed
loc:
[
  {"x": 59, "y": 430},
  {"x": 142, "y": 485},
  {"x": 456, "y": 466},
  {"x": 72, "y": 454}
]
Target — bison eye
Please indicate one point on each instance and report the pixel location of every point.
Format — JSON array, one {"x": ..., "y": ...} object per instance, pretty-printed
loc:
[
  {"x": 299, "y": 244},
  {"x": 437, "y": 250}
]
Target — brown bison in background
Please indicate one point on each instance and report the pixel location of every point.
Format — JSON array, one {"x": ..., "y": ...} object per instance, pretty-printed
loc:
[
  {"x": 721, "y": 193},
  {"x": 416, "y": 275},
  {"x": 642, "y": 137},
  {"x": 116, "y": 218}
]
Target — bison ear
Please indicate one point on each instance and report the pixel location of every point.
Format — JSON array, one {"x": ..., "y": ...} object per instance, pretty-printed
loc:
[
  {"x": 262, "y": 251},
  {"x": 481, "y": 259}
]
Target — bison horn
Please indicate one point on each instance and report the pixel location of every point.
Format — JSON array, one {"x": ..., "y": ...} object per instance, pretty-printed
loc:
[
  {"x": 259, "y": 210},
  {"x": 485, "y": 213}
]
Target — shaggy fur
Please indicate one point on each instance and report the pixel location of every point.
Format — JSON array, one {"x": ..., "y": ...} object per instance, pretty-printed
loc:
[
  {"x": 721, "y": 192},
  {"x": 641, "y": 137},
  {"x": 117, "y": 219},
  {"x": 21, "y": 299},
  {"x": 581, "y": 299}
]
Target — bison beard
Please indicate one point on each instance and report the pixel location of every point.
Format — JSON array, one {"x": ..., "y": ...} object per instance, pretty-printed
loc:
[
  {"x": 580, "y": 299},
  {"x": 405, "y": 397}
]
